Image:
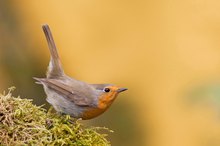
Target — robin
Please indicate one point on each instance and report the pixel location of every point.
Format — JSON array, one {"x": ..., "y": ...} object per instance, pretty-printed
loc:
[{"x": 70, "y": 96}]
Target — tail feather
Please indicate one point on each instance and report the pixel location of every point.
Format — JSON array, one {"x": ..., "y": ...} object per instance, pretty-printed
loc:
[{"x": 55, "y": 67}]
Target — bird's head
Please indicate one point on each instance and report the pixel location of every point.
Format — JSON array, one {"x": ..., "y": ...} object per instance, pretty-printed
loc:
[{"x": 107, "y": 94}]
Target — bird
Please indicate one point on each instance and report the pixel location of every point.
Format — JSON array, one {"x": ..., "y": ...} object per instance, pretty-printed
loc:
[{"x": 70, "y": 96}]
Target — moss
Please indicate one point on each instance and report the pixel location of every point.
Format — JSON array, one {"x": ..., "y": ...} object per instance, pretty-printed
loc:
[{"x": 22, "y": 123}]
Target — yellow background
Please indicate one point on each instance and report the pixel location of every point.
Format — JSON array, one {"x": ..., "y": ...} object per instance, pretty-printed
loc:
[{"x": 161, "y": 50}]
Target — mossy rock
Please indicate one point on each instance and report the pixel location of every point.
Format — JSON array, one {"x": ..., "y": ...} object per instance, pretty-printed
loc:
[{"x": 22, "y": 123}]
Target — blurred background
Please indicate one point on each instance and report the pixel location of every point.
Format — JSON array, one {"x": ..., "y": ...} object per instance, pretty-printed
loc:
[{"x": 166, "y": 52}]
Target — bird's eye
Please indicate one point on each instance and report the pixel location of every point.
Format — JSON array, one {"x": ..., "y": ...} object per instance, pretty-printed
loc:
[{"x": 107, "y": 90}]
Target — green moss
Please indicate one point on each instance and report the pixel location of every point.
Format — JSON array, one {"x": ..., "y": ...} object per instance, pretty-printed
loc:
[{"x": 22, "y": 123}]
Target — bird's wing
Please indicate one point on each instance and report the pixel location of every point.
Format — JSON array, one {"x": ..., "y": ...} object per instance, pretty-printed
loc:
[{"x": 76, "y": 96}]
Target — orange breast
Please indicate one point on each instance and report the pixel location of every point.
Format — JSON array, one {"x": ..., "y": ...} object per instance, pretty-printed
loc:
[
  {"x": 92, "y": 112},
  {"x": 103, "y": 105},
  {"x": 104, "y": 102}
]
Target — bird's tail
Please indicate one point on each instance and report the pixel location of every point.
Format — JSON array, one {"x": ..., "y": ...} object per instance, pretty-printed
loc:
[{"x": 55, "y": 67}]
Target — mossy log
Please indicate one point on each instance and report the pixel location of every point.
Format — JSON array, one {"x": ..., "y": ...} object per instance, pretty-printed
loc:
[{"x": 23, "y": 123}]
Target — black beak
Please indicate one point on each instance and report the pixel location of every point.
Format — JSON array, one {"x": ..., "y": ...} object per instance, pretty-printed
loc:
[{"x": 121, "y": 90}]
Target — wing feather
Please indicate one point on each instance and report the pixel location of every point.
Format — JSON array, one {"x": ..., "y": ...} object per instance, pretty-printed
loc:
[{"x": 76, "y": 96}]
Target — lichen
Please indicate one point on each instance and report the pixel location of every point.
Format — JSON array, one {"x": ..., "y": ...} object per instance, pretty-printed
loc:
[{"x": 23, "y": 123}]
